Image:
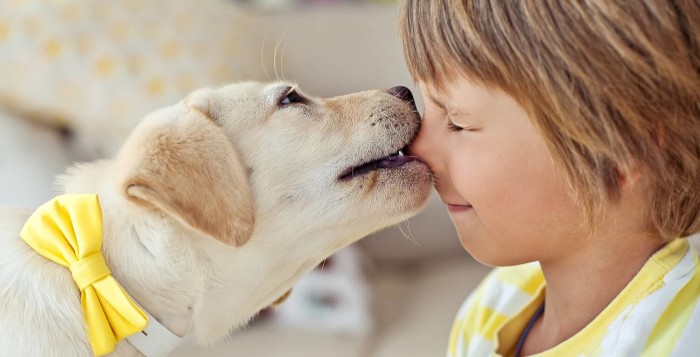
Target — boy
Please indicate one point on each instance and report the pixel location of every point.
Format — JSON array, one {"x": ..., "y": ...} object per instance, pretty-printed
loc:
[{"x": 566, "y": 133}]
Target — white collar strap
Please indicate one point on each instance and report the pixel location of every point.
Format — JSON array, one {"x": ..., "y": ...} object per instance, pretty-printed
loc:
[{"x": 155, "y": 340}]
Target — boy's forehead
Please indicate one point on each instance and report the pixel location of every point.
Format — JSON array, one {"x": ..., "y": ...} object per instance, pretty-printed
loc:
[
  {"x": 433, "y": 94},
  {"x": 436, "y": 86},
  {"x": 458, "y": 93}
]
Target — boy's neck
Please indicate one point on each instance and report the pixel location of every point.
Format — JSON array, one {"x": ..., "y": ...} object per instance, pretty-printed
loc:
[{"x": 582, "y": 283}]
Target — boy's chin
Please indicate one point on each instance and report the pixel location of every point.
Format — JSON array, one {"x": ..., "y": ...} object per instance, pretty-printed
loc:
[{"x": 490, "y": 253}]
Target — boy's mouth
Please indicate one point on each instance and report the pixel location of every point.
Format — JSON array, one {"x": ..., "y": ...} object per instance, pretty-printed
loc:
[{"x": 458, "y": 208}]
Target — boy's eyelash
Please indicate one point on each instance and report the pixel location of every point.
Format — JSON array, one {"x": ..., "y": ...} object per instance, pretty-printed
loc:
[{"x": 453, "y": 127}]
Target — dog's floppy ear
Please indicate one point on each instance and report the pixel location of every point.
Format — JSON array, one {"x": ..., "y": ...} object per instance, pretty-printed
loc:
[
  {"x": 282, "y": 299},
  {"x": 180, "y": 162}
]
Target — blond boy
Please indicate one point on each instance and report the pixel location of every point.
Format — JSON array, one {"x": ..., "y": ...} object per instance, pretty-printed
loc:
[{"x": 565, "y": 139}]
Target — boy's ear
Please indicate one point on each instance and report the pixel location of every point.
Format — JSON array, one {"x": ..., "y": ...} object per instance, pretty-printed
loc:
[{"x": 181, "y": 163}]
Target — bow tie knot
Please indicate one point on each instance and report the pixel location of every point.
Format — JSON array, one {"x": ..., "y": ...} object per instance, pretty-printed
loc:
[{"x": 89, "y": 270}]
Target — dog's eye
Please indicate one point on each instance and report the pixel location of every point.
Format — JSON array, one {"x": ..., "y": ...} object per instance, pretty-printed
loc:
[{"x": 292, "y": 98}]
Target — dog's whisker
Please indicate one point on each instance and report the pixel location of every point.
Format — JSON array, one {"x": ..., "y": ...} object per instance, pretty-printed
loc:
[
  {"x": 274, "y": 62},
  {"x": 277, "y": 47},
  {"x": 262, "y": 55},
  {"x": 415, "y": 240},
  {"x": 388, "y": 117},
  {"x": 384, "y": 115},
  {"x": 410, "y": 238},
  {"x": 284, "y": 48},
  {"x": 398, "y": 226}
]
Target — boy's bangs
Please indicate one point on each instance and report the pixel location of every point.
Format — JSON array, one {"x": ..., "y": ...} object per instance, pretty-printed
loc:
[
  {"x": 603, "y": 92},
  {"x": 438, "y": 50}
]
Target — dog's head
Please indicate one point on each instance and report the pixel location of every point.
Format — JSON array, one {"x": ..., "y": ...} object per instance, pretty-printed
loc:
[{"x": 266, "y": 156}]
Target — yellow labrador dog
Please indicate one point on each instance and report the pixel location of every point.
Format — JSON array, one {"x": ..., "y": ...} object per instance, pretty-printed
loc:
[{"x": 216, "y": 205}]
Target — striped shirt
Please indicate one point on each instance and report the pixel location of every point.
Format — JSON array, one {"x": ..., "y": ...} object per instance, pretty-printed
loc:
[{"x": 656, "y": 314}]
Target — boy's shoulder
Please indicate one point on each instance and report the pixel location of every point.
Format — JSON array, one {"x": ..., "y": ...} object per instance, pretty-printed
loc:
[
  {"x": 502, "y": 294},
  {"x": 510, "y": 285},
  {"x": 517, "y": 285},
  {"x": 527, "y": 277},
  {"x": 499, "y": 297},
  {"x": 658, "y": 312}
]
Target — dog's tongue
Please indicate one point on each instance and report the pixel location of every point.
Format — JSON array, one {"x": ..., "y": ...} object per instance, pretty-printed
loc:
[
  {"x": 385, "y": 163},
  {"x": 394, "y": 161}
]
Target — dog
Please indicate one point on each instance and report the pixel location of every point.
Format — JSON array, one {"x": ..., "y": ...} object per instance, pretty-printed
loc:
[{"x": 215, "y": 207}]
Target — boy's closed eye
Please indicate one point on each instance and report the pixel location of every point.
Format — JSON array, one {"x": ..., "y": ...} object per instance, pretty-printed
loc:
[
  {"x": 453, "y": 127},
  {"x": 456, "y": 119},
  {"x": 456, "y": 124}
]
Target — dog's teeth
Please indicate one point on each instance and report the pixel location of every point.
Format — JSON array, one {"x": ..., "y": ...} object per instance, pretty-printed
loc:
[{"x": 401, "y": 153}]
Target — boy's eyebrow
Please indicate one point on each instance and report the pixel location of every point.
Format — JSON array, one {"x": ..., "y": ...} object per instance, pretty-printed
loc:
[
  {"x": 437, "y": 102},
  {"x": 444, "y": 107}
]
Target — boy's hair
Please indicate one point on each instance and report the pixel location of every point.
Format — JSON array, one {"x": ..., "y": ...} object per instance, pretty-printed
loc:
[{"x": 612, "y": 86}]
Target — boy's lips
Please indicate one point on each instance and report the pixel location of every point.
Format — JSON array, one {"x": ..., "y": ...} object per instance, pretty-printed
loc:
[
  {"x": 458, "y": 208},
  {"x": 452, "y": 205}
]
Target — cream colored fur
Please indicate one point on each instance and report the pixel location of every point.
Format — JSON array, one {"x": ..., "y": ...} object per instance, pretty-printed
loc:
[{"x": 214, "y": 207}]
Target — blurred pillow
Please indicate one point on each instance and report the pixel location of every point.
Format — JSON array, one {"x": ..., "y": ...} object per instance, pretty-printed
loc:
[
  {"x": 99, "y": 66},
  {"x": 335, "y": 297}
]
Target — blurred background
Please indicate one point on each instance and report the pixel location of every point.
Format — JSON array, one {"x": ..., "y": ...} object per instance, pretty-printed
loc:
[{"x": 77, "y": 76}]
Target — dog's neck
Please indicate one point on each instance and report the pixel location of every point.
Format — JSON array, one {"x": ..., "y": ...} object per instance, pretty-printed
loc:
[{"x": 192, "y": 284}]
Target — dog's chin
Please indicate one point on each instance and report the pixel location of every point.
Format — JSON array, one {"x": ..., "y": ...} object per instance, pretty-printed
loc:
[{"x": 405, "y": 183}]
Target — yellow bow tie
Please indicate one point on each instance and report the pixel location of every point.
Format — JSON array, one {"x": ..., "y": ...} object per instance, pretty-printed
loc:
[{"x": 68, "y": 230}]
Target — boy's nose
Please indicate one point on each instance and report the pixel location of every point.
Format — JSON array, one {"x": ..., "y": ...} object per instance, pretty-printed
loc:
[
  {"x": 426, "y": 145},
  {"x": 417, "y": 146}
]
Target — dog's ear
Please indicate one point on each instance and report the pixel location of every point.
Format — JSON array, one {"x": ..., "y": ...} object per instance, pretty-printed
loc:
[
  {"x": 180, "y": 162},
  {"x": 282, "y": 299},
  {"x": 199, "y": 101}
]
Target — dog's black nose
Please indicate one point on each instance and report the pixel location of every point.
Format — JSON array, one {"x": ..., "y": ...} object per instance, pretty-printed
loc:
[{"x": 401, "y": 92}]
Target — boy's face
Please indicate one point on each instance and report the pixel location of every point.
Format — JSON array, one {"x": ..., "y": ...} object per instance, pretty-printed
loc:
[{"x": 506, "y": 198}]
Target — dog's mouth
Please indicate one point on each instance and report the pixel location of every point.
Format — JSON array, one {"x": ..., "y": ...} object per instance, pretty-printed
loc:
[{"x": 395, "y": 160}]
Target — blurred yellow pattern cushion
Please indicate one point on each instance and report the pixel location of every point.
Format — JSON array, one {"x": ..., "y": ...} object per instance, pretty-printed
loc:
[{"x": 99, "y": 66}]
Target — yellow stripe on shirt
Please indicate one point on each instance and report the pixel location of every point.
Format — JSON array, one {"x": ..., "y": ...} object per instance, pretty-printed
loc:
[{"x": 669, "y": 282}]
